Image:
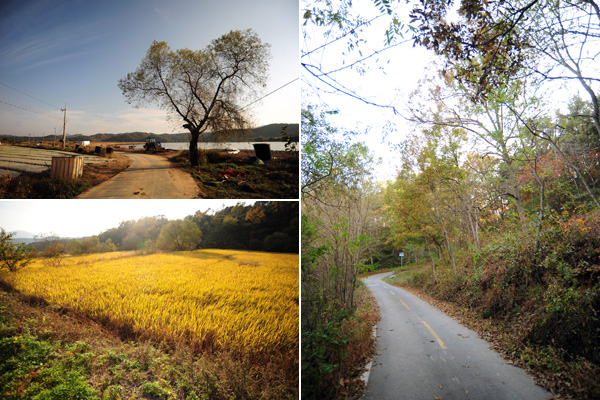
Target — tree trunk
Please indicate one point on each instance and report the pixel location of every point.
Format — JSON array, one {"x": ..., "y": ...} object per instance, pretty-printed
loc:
[
  {"x": 520, "y": 209},
  {"x": 194, "y": 149},
  {"x": 435, "y": 279}
]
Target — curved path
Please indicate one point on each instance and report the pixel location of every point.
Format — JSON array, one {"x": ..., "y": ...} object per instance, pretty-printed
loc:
[
  {"x": 150, "y": 176},
  {"x": 424, "y": 354}
]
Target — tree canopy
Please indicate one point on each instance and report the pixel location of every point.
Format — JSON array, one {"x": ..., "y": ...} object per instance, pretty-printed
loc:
[
  {"x": 204, "y": 88},
  {"x": 13, "y": 256},
  {"x": 179, "y": 235}
]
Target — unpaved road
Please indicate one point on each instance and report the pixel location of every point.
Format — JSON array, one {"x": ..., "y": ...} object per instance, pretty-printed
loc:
[
  {"x": 424, "y": 354},
  {"x": 150, "y": 176}
]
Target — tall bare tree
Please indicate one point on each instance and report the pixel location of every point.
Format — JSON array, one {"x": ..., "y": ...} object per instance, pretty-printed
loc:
[{"x": 205, "y": 88}]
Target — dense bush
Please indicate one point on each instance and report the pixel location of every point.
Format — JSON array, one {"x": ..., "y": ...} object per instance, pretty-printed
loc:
[{"x": 542, "y": 287}]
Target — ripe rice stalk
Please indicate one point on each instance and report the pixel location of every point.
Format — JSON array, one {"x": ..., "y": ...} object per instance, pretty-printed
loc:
[{"x": 235, "y": 300}]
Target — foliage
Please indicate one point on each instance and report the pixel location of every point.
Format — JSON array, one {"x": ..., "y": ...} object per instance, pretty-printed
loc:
[
  {"x": 30, "y": 370},
  {"x": 13, "y": 256},
  {"x": 330, "y": 24},
  {"x": 204, "y": 87},
  {"x": 242, "y": 227},
  {"x": 336, "y": 214},
  {"x": 215, "y": 299},
  {"x": 334, "y": 353},
  {"x": 90, "y": 245},
  {"x": 54, "y": 255},
  {"x": 248, "y": 227},
  {"x": 489, "y": 44},
  {"x": 179, "y": 235}
]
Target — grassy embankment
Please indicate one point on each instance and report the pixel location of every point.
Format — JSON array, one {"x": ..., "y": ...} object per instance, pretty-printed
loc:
[
  {"x": 538, "y": 306},
  {"x": 204, "y": 324},
  {"x": 222, "y": 175}
]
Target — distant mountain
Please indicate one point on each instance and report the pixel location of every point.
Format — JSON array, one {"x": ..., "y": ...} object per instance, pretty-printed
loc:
[
  {"x": 271, "y": 132},
  {"x": 23, "y": 234},
  {"x": 22, "y": 237},
  {"x": 23, "y": 240}
]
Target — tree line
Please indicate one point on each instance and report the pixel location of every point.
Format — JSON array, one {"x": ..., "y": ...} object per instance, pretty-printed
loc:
[{"x": 264, "y": 226}]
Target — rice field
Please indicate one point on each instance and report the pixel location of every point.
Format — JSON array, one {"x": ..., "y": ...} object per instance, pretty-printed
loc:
[{"x": 215, "y": 299}]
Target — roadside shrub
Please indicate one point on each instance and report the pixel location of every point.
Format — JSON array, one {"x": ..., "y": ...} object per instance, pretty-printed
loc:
[
  {"x": 542, "y": 289},
  {"x": 335, "y": 351},
  {"x": 153, "y": 390},
  {"x": 571, "y": 321}
]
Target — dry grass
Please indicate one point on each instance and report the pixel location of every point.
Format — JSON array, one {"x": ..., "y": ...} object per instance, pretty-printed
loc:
[
  {"x": 361, "y": 346},
  {"x": 231, "y": 176}
]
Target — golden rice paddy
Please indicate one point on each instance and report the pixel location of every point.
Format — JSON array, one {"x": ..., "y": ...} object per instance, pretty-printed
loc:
[{"x": 236, "y": 300}]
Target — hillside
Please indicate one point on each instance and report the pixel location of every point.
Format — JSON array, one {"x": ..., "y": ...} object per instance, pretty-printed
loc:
[
  {"x": 271, "y": 132},
  {"x": 23, "y": 234}
]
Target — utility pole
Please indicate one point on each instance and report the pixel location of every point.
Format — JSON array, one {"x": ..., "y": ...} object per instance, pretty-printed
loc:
[
  {"x": 64, "y": 126},
  {"x": 54, "y": 142}
]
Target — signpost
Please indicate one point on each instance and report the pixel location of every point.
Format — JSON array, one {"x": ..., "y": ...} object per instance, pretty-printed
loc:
[{"x": 401, "y": 255}]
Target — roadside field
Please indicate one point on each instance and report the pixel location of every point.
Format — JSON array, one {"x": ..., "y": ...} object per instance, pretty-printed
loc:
[
  {"x": 26, "y": 159},
  {"x": 211, "y": 299}
]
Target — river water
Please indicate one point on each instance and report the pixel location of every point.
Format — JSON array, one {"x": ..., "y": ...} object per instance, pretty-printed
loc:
[{"x": 275, "y": 146}]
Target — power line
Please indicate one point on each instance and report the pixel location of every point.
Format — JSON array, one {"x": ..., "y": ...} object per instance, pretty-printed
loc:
[
  {"x": 270, "y": 93},
  {"x": 22, "y": 107},
  {"x": 28, "y": 95}
]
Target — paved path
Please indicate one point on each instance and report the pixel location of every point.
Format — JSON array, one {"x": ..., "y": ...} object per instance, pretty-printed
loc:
[
  {"x": 150, "y": 176},
  {"x": 424, "y": 354}
]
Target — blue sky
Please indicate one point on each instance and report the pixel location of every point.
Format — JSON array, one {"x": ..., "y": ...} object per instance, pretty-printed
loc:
[{"x": 75, "y": 51}]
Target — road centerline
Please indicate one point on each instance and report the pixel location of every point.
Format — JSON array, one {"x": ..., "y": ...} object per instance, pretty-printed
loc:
[
  {"x": 407, "y": 307},
  {"x": 435, "y": 335}
]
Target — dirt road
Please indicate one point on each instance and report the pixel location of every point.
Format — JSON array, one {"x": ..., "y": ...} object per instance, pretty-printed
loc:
[{"x": 150, "y": 176}]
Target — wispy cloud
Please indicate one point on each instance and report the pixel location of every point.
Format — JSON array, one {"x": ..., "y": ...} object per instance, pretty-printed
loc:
[
  {"x": 40, "y": 42},
  {"x": 129, "y": 120}
]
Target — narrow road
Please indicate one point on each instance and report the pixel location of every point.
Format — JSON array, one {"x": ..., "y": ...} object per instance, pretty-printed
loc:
[
  {"x": 424, "y": 354},
  {"x": 150, "y": 176}
]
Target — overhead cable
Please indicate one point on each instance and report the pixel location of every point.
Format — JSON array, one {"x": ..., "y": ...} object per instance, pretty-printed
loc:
[
  {"x": 270, "y": 93},
  {"x": 28, "y": 95},
  {"x": 22, "y": 107}
]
